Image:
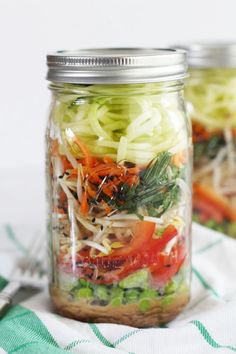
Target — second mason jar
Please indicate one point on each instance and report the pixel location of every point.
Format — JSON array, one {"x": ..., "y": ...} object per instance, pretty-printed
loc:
[
  {"x": 211, "y": 96},
  {"x": 119, "y": 177}
]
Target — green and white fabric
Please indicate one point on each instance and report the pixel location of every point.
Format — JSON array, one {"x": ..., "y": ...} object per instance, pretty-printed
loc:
[{"x": 208, "y": 324}]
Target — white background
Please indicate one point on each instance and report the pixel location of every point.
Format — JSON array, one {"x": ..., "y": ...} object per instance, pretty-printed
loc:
[{"x": 31, "y": 28}]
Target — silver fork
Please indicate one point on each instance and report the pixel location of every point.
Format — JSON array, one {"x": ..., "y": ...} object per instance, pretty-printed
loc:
[{"x": 29, "y": 272}]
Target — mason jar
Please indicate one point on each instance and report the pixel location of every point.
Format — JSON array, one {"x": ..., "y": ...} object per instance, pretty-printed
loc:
[
  {"x": 119, "y": 176},
  {"x": 211, "y": 95}
]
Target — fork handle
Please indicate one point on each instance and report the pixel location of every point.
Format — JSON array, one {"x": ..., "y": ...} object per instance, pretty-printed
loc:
[{"x": 7, "y": 294}]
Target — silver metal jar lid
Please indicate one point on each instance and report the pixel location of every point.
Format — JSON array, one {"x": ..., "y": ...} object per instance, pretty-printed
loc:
[
  {"x": 116, "y": 65},
  {"x": 211, "y": 55}
]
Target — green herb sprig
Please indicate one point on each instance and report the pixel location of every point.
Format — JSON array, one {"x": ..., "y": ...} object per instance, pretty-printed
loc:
[{"x": 156, "y": 191}]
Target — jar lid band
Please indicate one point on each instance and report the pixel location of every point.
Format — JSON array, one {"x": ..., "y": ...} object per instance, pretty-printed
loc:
[
  {"x": 211, "y": 55},
  {"x": 116, "y": 65}
]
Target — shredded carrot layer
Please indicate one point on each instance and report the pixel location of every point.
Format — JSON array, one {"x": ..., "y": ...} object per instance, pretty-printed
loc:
[
  {"x": 200, "y": 133},
  {"x": 84, "y": 204},
  {"x": 209, "y": 195},
  {"x": 88, "y": 158},
  {"x": 54, "y": 147},
  {"x": 100, "y": 176},
  {"x": 179, "y": 159},
  {"x": 107, "y": 159},
  {"x": 59, "y": 211}
]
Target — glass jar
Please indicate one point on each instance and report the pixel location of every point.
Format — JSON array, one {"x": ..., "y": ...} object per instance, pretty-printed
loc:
[
  {"x": 119, "y": 176},
  {"x": 211, "y": 93}
]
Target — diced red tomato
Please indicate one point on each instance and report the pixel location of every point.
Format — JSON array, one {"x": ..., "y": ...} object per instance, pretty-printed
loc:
[
  {"x": 143, "y": 251},
  {"x": 143, "y": 232},
  {"x": 169, "y": 267}
]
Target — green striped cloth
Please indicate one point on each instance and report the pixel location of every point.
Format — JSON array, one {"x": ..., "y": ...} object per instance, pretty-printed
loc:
[{"x": 208, "y": 324}]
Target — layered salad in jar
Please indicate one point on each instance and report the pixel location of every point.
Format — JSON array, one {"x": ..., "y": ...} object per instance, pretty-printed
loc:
[
  {"x": 211, "y": 95},
  {"x": 119, "y": 168}
]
